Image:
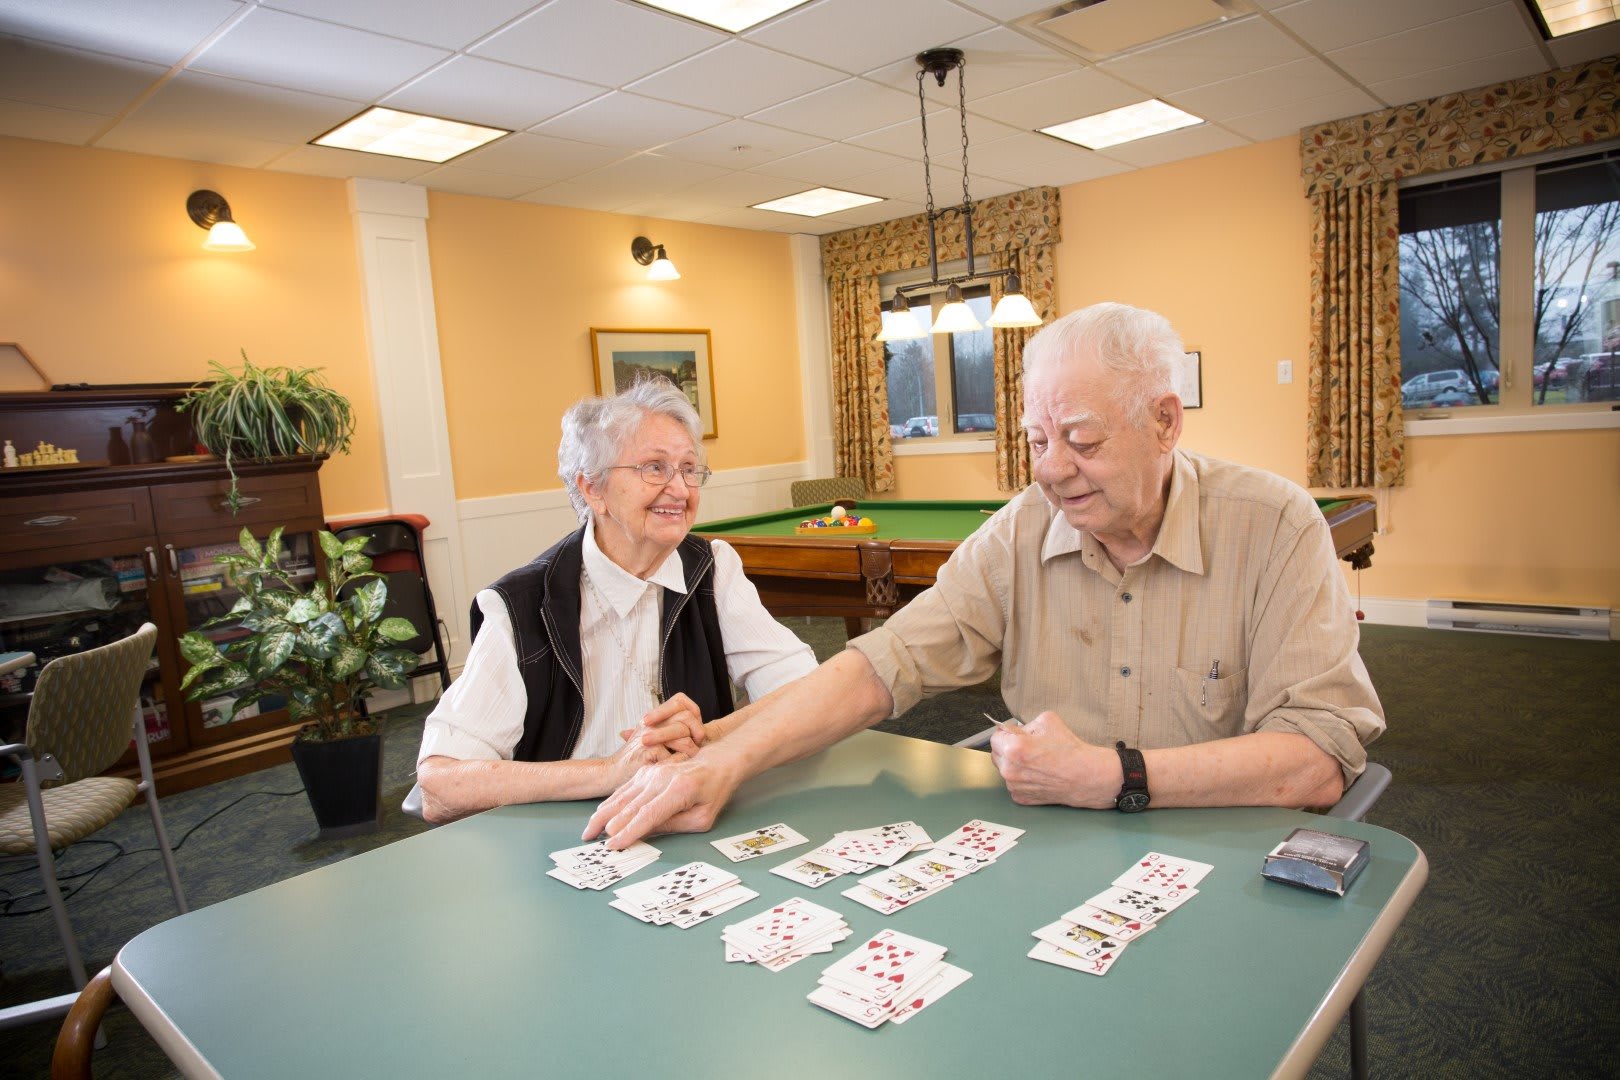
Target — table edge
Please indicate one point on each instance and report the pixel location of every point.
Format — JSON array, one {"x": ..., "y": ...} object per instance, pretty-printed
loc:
[{"x": 180, "y": 1050}]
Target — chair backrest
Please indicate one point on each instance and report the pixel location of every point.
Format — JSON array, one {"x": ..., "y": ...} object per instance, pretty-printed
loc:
[
  {"x": 84, "y": 703},
  {"x": 1360, "y": 796},
  {"x": 826, "y": 489}
]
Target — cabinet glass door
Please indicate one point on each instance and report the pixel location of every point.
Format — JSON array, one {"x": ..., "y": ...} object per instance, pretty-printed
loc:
[
  {"x": 70, "y": 604},
  {"x": 205, "y": 593}
]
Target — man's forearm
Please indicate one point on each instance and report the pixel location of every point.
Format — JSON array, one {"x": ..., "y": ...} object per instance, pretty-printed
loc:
[
  {"x": 1266, "y": 768},
  {"x": 452, "y": 788}
]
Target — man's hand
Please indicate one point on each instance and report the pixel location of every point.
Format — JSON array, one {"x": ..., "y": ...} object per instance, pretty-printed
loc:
[
  {"x": 677, "y": 796},
  {"x": 632, "y": 757},
  {"x": 676, "y": 725},
  {"x": 1043, "y": 762}
]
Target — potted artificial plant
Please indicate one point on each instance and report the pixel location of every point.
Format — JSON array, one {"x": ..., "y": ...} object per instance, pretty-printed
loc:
[
  {"x": 261, "y": 413},
  {"x": 322, "y": 648}
]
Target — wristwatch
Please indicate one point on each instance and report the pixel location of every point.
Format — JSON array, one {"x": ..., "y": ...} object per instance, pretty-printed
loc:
[{"x": 1133, "y": 796}]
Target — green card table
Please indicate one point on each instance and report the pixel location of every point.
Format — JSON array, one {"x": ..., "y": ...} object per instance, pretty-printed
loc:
[
  {"x": 451, "y": 954},
  {"x": 865, "y": 577}
]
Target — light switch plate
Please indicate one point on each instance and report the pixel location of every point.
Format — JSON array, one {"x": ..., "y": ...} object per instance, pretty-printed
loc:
[{"x": 1285, "y": 372}]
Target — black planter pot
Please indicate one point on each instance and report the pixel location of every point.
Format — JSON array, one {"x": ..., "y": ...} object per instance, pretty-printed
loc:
[{"x": 343, "y": 780}]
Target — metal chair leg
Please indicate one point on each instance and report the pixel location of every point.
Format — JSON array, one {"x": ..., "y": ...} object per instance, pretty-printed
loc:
[
  {"x": 144, "y": 755},
  {"x": 47, "y": 871},
  {"x": 1358, "y": 1036}
]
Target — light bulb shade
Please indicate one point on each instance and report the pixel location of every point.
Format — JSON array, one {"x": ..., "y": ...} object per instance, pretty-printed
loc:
[
  {"x": 900, "y": 326},
  {"x": 227, "y": 236},
  {"x": 662, "y": 269},
  {"x": 1014, "y": 309},
  {"x": 955, "y": 317}
]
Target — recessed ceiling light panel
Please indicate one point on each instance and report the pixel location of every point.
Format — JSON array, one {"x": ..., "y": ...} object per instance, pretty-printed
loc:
[
  {"x": 1124, "y": 125},
  {"x": 817, "y": 202},
  {"x": 732, "y": 15},
  {"x": 408, "y": 135},
  {"x": 1560, "y": 17}
]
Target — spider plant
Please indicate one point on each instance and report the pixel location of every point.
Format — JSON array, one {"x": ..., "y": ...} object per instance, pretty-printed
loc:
[{"x": 264, "y": 412}]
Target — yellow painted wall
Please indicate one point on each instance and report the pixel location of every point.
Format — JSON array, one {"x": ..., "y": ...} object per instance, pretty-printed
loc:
[
  {"x": 103, "y": 279},
  {"x": 518, "y": 287},
  {"x": 1221, "y": 245}
]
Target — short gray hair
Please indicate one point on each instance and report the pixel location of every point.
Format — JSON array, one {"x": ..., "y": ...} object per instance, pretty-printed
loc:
[
  {"x": 596, "y": 429},
  {"x": 1137, "y": 345}
]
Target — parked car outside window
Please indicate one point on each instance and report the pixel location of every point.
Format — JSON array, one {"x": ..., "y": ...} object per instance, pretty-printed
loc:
[
  {"x": 1420, "y": 388},
  {"x": 922, "y": 425},
  {"x": 976, "y": 421},
  {"x": 898, "y": 431}
]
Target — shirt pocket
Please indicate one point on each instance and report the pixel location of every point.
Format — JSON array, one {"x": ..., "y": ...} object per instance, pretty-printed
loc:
[{"x": 1206, "y": 708}]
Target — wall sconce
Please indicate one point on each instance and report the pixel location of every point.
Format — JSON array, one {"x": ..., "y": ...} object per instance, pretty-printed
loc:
[
  {"x": 652, "y": 256},
  {"x": 209, "y": 210}
]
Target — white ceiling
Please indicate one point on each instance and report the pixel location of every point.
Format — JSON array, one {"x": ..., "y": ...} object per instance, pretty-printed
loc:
[{"x": 621, "y": 108}]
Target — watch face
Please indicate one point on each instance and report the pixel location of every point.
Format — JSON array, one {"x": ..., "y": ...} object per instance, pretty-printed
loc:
[{"x": 1132, "y": 802}]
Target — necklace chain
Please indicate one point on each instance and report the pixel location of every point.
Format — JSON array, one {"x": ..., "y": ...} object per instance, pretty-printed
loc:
[{"x": 612, "y": 618}]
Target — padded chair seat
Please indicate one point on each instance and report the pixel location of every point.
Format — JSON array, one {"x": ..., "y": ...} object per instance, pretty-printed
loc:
[{"x": 72, "y": 812}]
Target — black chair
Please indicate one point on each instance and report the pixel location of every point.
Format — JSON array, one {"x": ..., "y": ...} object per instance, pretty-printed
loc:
[{"x": 395, "y": 551}]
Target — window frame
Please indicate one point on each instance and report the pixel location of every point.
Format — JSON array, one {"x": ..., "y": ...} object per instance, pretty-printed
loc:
[{"x": 947, "y": 441}]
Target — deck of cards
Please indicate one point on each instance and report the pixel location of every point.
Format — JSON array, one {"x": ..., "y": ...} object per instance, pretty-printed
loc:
[
  {"x": 685, "y": 896},
  {"x": 593, "y": 866},
  {"x": 854, "y": 852},
  {"x": 1091, "y": 937},
  {"x": 965, "y": 851},
  {"x": 782, "y": 935},
  {"x": 889, "y": 976}
]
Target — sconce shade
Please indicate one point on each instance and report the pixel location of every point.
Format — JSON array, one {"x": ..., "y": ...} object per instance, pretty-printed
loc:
[
  {"x": 955, "y": 316},
  {"x": 652, "y": 256},
  {"x": 209, "y": 210},
  {"x": 1014, "y": 309}
]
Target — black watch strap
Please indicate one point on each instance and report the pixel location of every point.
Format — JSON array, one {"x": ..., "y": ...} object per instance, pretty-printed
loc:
[{"x": 1133, "y": 794}]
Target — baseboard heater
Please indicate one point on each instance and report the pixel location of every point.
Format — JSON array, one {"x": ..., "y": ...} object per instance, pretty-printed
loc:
[{"x": 1542, "y": 620}]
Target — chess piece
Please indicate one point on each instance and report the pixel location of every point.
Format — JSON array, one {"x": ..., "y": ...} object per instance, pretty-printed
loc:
[{"x": 10, "y": 455}]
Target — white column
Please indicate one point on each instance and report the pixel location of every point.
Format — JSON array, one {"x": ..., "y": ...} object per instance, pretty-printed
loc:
[
  {"x": 815, "y": 352},
  {"x": 390, "y": 226}
]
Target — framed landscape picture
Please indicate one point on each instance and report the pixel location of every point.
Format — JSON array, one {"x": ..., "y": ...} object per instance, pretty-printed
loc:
[
  {"x": 1192, "y": 382},
  {"x": 681, "y": 356}
]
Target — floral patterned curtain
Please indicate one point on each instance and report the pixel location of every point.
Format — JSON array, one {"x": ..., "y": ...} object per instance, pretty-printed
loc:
[
  {"x": 1022, "y": 226},
  {"x": 1350, "y": 168}
]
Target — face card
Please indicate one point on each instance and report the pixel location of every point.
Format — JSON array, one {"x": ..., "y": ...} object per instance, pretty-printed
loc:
[
  {"x": 947, "y": 978},
  {"x": 1146, "y": 907},
  {"x": 823, "y": 944},
  {"x": 827, "y": 856},
  {"x": 806, "y": 871},
  {"x": 1156, "y": 873},
  {"x": 707, "y": 908},
  {"x": 1083, "y": 941},
  {"x": 901, "y": 886},
  {"x": 1118, "y": 927},
  {"x": 881, "y": 903},
  {"x": 751, "y": 845},
  {"x": 1052, "y": 954}
]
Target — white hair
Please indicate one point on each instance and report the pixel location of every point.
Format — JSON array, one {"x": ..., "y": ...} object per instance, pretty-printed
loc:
[
  {"x": 1138, "y": 346},
  {"x": 595, "y": 431}
]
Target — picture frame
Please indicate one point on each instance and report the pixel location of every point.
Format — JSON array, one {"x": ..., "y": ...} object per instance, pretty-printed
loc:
[
  {"x": 682, "y": 356},
  {"x": 1192, "y": 381}
]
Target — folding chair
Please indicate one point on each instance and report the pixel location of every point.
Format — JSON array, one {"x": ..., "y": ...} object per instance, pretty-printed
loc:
[
  {"x": 85, "y": 710},
  {"x": 395, "y": 551}
]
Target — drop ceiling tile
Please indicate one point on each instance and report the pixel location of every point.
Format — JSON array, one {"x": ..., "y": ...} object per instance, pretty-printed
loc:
[
  {"x": 210, "y": 105},
  {"x": 161, "y": 31},
  {"x": 827, "y": 165},
  {"x": 1464, "y": 76},
  {"x": 748, "y": 218},
  {"x": 737, "y": 78},
  {"x": 1296, "y": 81},
  {"x": 810, "y": 226},
  {"x": 987, "y": 187},
  {"x": 537, "y": 156},
  {"x": 486, "y": 92},
  {"x": 858, "y": 35},
  {"x": 218, "y": 147},
  {"x": 872, "y": 213},
  {"x": 629, "y": 121},
  {"x": 633, "y": 180},
  {"x": 743, "y": 189},
  {"x": 1009, "y": 9},
  {"x": 1490, "y": 32},
  {"x": 278, "y": 49},
  {"x": 739, "y": 144},
  {"x": 1223, "y": 51},
  {"x": 902, "y": 180},
  {"x": 998, "y": 59},
  {"x": 332, "y": 161},
  {"x": 432, "y": 22},
  {"x": 42, "y": 122},
  {"x": 1024, "y": 151},
  {"x": 841, "y": 110},
  {"x": 1174, "y": 145},
  {"x": 1334, "y": 24},
  {"x": 64, "y": 78},
  {"x": 578, "y": 194},
  {"x": 598, "y": 41},
  {"x": 1288, "y": 118},
  {"x": 680, "y": 206},
  {"x": 1053, "y": 101},
  {"x": 460, "y": 180},
  {"x": 1587, "y": 45},
  {"x": 1072, "y": 170},
  {"x": 944, "y": 136}
]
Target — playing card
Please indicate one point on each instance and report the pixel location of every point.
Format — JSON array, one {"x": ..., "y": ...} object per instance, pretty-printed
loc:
[
  {"x": 893, "y": 883},
  {"x": 710, "y": 906},
  {"x": 600, "y": 877},
  {"x": 1117, "y": 926},
  {"x": 1083, "y": 941},
  {"x": 984, "y": 841},
  {"x": 881, "y": 850},
  {"x": 947, "y": 977},
  {"x": 1162, "y": 874},
  {"x": 806, "y": 871},
  {"x": 593, "y": 866},
  {"x": 826, "y": 855},
  {"x": 906, "y": 832},
  {"x": 751, "y": 845},
  {"x": 823, "y": 944},
  {"x": 886, "y": 965},
  {"x": 781, "y": 928},
  {"x": 863, "y": 1013},
  {"x": 679, "y": 886},
  {"x": 1146, "y": 907},
  {"x": 881, "y": 903},
  {"x": 1052, "y": 954}
]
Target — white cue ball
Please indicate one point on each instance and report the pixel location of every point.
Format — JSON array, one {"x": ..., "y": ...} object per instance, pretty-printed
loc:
[{"x": 839, "y": 513}]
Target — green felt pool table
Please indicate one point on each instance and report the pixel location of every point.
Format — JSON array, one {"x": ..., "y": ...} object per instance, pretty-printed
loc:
[{"x": 863, "y": 577}]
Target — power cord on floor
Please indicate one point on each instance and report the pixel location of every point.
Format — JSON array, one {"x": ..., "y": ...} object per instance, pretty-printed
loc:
[{"x": 89, "y": 874}]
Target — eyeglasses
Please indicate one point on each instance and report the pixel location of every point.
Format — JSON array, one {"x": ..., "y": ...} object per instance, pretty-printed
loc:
[{"x": 659, "y": 473}]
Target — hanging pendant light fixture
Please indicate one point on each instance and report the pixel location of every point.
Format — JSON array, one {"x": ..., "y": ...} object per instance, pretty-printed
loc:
[{"x": 1014, "y": 309}]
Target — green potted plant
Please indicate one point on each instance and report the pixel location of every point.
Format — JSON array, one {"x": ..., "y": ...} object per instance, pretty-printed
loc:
[
  {"x": 265, "y": 412},
  {"x": 323, "y": 648}
]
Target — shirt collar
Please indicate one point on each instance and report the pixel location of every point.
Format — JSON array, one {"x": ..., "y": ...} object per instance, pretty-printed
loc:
[
  {"x": 618, "y": 586},
  {"x": 1178, "y": 541}
]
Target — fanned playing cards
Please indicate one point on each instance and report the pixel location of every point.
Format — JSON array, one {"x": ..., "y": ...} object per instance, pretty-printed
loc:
[
  {"x": 594, "y": 866},
  {"x": 1092, "y": 936},
  {"x": 889, "y": 976}
]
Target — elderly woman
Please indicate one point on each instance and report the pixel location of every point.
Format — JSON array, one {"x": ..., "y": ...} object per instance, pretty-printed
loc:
[{"x": 626, "y": 620}]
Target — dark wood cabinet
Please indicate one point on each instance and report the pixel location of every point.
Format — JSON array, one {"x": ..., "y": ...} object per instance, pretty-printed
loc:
[{"x": 88, "y": 554}]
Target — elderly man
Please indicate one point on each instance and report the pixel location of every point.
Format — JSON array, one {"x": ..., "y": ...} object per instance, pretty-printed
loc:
[{"x": 1176, "y": 626}]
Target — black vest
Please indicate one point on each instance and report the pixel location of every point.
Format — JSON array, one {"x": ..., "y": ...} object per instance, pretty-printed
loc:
[{"x": 542, "y": 600}]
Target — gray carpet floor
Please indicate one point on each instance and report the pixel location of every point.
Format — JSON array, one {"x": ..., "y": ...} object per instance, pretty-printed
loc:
[{"x": 1504, "y": 751}]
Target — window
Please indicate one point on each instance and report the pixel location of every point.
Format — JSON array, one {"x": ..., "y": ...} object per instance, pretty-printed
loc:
[
  {"x": 1510, "y": 289},
  {"x": 942, "y": 384}
]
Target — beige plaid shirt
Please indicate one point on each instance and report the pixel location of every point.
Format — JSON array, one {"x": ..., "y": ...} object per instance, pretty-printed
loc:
[{"x": 1237, "y": 621}]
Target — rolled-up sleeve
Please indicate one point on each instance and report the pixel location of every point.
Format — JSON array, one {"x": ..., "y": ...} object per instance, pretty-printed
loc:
[{"x": 480, "y": 716}]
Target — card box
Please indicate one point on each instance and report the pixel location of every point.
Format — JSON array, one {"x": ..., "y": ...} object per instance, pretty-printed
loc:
[{"x": 1317, "y": 860}]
